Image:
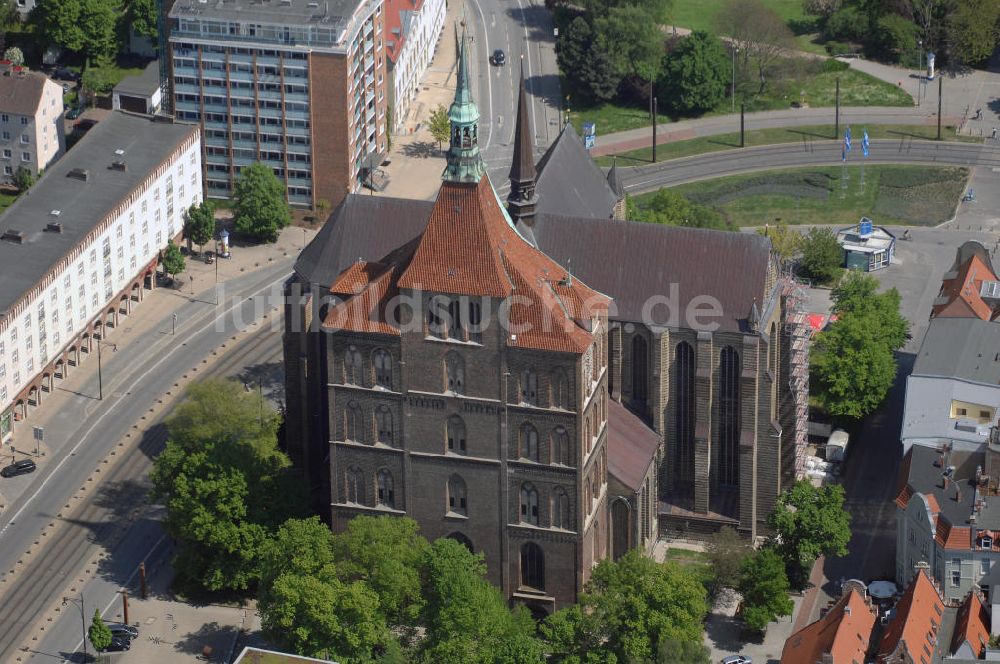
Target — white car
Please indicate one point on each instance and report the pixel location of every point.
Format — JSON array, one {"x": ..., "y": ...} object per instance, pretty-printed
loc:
[{"x": 737, "y": 659}]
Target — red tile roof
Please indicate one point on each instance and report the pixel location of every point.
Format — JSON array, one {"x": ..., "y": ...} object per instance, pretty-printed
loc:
[
  {"x": 962, "y": 292},
  {"x": 394, "y": 22},
  {"x": 972, "y": 625},
  {"x": 842, "y": 633},
  {"x": 470, "y": 248},
  {"x": 631, "y": 446},
  {"x": 952, "y": 537},
  {"x": 914, "y": 627}
]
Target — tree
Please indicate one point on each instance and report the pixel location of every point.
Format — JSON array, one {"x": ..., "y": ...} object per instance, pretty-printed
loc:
[
  {"x": 669, "y": 207},
  {"x": 856, "y": 293},
  {"x": 632, "y": 38},
  {"x": 260, "y": 208},
  {"x": 848, "y": 24},
  {"x": 683, "y": 652},
  {"x": 592, "y": 74},
  {"x": 810, "y": 521},
  {"x": 758, "y": 31},
  {"x": 697, "y": 74},
  {"x": 822, "y": 255},
  {"x": 821, "y": 8},
  {"x": 98, "y": 633},
  {"x": 9, "y": 16},
  {"x": 14, "y": 56},
  {"x": 440, "y": 125},
  {"x": 23, "y": 179},
  {"x": 199, "y": 223},
  {"x": 894, "y": 35},
  {"x": 576, "y": 636},
  {"x": 88, "y": 27},
  {"x": 99, "y": 78},
  {"x": 786, "y": 242},
  {"x": 972, "y": 29},
  {"x": 467, "y": 619},
  {"x": 173, "y": 259},
  {"x": 764, "y": 586},
  {"x": 851, "y": 366},
  {"x": 386, "y": 553},
  {"x": 726, "y": 551},
  {"x": 140, "y": 16}
]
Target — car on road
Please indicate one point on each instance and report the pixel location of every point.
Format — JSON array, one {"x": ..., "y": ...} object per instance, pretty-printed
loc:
[
  {"x": 499, "y": 58},
  {"x": 74, "y": 113},
  {"x": 124, "y": 631},
  {"x": 22, "y": 467},
  {"x": 737, "y": 659},
  {"x": 118, "y": 644}
]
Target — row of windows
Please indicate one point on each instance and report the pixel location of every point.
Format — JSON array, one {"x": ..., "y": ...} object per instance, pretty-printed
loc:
[{"x": 559, "y": 515}]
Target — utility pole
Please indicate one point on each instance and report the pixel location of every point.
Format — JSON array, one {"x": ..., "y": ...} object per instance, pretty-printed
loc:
[
  {"x": 733, "y": 93},
  {"x": 654, "y": 129},
  {"x": 100, "y": 378},
  {"x": 742, "y": 123},
  {"x": 940, "y": 81},
  {"x": 83, "y": 621},
  {"x": 124, "y": 606},
  {"x": 142, "y": 579},
  {"x": 836, "y": 120},
  {"x": 173, "y": 325}
]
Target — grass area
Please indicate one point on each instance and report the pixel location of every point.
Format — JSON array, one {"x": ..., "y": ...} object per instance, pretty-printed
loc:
[
  {"x": 696, "y": 561},
  {"x": 912, "y": 195},
  {"x": 700, "y": 15},
  {"x": 611, "y": 117},
  {"x": 805, "y": 134},
  {"x": 6, "y": 199},
  {"x": 119, "y": 72}
]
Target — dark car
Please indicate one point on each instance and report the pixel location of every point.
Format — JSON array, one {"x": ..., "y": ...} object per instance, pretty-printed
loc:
[
  {"x": 123, "y": 631},
  {"x": 74, "y": 112},
  {"x": 22, "y": 467},
  {"x": 118, "y": 643},
  {"x": 85, "y": 125},
  {"x": 63, "y": 74},
  {"x": 498, "y": 58}
]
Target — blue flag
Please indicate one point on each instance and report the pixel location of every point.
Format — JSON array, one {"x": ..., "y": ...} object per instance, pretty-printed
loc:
[
  {"x": 865, "y": 143},
  {"x": 847, "y": 139}
]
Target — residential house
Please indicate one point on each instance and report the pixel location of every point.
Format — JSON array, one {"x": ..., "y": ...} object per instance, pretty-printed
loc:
[
  {"x": 413, "y": 30},
  {"x": 32, "y": 136}
]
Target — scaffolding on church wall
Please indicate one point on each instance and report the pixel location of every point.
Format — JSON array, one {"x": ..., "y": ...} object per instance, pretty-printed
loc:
[{"x": 797, "y": 326}]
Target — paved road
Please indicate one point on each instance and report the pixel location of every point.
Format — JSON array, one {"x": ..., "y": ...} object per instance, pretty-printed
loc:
[
  {"x": 810, "y": 152},
  {"x": 135, "y": 378},
  {"x": 519, "y": 28}
]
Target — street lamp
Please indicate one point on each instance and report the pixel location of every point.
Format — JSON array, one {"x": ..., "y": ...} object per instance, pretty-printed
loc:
[
  {"x": 733, "y": 96},
  {"x": 83, "y": 621},
  {"x": 100, "y": 378},
  {"x": 920, "y": 69}
]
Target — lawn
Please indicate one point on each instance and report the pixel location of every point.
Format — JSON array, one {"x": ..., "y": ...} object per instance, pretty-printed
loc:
[
  {"x": 611, "y": 117},
  {"x": 677, "y": 149},
  {"x": 700, "y": 15},
  {"x": 6, "y": 199},
  {"x": 696, "y": 561},
  {"x": 912, "y": 195}
]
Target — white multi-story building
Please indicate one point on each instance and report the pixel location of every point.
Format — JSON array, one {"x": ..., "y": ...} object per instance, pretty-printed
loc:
[
  {"x": 80, "y": 248},
  {"x": 412, "y": 31},
  {"x": 31, "y": 124}
]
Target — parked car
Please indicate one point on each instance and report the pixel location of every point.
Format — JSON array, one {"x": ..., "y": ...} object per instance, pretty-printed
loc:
[
  {"x": 63, "y": 74},
  {"x": 737, "y": 659},
  {"x": 118, "y": 644},
  {"x": 22, "y": 467},
  {"x": 75, "y": 112},
  {"x": 124, "y": 631},
  {"x": 498, "y": 58},
  {"x": 85, "y": 125}
]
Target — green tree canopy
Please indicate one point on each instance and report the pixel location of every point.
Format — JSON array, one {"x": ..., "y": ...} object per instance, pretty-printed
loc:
[
  {"x": 727, "y": 550},
  {"x": 683, "y": 652},
  {"x": 630, "y": 35},
  {"x": 895, "y": 35},
  {"x": 99, "y": 77},
  {"x": 810, "y": 521},
  {"x": 14, "y": 55},
  {"x": 440, "y": 125},
  {"x": 98, "y": 632},
  {"x": 668, "y": 207},
  {"x": 764, "y": 586},
  {"x": 592, "y": 74},
  {"x": 199, "y": 223},
  {"x": 140, "y": 16},
  {"x": 973, "y": 29},
  {"x": 88, "y": 27},
  {"x": 467, "y": 619},
  {"x": 260, "y": 209},
  {"x": 822, "y": 255},
  {"x": 173, "y": 259},
  {"x": 387, "y": 553},
  {"x": 697, "y": 75},
  {"x": 857, "y": 293},
  {"x": 23, "y": 179}
]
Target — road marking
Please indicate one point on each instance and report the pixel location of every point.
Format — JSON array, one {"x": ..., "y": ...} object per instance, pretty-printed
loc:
[
  {"x": 489, "y": 83},
  {"x": 527, "y": 48},
  {"x": 141, "y": 377}
]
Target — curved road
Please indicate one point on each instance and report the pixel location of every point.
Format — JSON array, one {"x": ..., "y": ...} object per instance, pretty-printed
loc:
[{"x": 640, "y": 179}]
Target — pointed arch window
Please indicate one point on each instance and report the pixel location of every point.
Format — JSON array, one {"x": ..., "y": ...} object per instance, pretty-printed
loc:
[
  {"x": 352, "y": 366},
  {"x": 532, "y": 566},
  {"x": 684, "y": 413},
  {"x": 456, "y": 435},
  {"x": 560, "y": 509},
  {"x": 386, "y": 490},
  {"x": 729, "y": 417},
  {"x": 383, "y": 368},
  {"x": 588, "y": 495},
  {"x": 529, "y": 504},
  {"x": 560, "y": 446},
  {"x": 475, "y": 321},
  {"x": 354, "y": 422},
  {"x": 529, "y": 442},
  {"x": 457, "y": 496},
  {"x": 355, "y": 481},
  {"x": 435, "y": 326},
  {"x": 639, "y": 367},
  {"x": 383, "y": 418},
  {"x": 529, "y": 387},
  {"x": 587, "y": 439},
  {"x": 455, "y": 330},
  {"x": 454, "y": 367},
  {"x": 560, "y": 391}
]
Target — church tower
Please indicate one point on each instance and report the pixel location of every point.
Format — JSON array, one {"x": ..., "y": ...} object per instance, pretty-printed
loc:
[
  {"x": 522, "y": 199},
  {"x": 464, "y": 161}
]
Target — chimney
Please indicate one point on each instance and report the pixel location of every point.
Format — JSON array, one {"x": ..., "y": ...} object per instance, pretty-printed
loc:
[
  {"x": 847, "y": 610},
  {"x": 119, "y": 165}
]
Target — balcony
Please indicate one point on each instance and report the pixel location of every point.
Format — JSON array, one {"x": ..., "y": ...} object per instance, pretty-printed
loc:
[
  {"x": 369, "y": 97},
  {"x": 297, "y": 115},
  {"x": 299, "y": 182},
  {"x": 298, "y": 131},
  {"x": 269, "y": 94},
  {"x": 185, "y": 88},
  {"x": 300, "y": 97}
]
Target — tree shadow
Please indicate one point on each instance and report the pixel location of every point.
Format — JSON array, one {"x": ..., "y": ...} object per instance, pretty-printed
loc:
[
  {"x": 537, "y": 19},
  {"x": 734, "y": 143},
  {"x": 545, "y": 87},
  {"x": 811, "y": 134},
  {"x": 213, "y": 635},
  {"x": 422, "y": 149},
  {"x": 804, "y": 26}
]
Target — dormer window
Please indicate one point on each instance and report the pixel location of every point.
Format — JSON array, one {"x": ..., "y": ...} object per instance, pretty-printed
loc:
[{"x": 986, "y": 542}]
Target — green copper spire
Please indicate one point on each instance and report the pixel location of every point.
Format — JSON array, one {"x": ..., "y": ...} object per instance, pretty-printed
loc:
[{"x": 464, "y": 161}]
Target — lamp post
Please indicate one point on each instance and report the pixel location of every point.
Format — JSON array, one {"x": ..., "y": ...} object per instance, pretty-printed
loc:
[
  {"x": 733, "y": 95},
  {"x": 100, "y": 377},
  {"x": 83, "y": 621},
  {"x": 920, "y": 69}
]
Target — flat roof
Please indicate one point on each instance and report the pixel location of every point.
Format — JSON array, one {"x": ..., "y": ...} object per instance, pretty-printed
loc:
[
  {"x": 271, "y": 12},
  {"x": 82, "y": 205},
  {"x": 145, "y": 84},
  {"x": 879, "y": 240}
]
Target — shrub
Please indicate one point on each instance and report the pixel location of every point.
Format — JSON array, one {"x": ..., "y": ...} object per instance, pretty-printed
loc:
[
  {"x": 833, "y": 66},
  {"x": 894, "y": 35},
  {"x": 837, "y": 48},
  {"x": 848, "y": 24}
]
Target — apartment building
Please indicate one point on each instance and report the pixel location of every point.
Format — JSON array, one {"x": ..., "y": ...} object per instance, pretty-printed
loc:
[
  {"x": 31, "y": 127},
  {"x": 79, "y": 250},
  {"x": 412, "y": 31},
  {"x": 298, "y": 85}
]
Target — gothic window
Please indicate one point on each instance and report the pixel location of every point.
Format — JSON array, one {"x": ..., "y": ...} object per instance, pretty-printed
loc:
[
  {"x": 587, "y": 439},
  {"x": 560, "y": 509},
  {"x": 352, "y": 366},
  {"x": 354, "y": 423},
  {"x": 597, "y": 540},
  {"x": 455, "y": 320},
  {"x": 529, "y": 504},
  {"x": 355, "y": 480},
  {"x": 475, "y": 322},
  {"x": 684, "y": 412},
  {"x": 462, "y": 539},
  {"x": 454, "y": 367},
  {"x": 383, "y": 417},
  {"x": 588, "y": 497},
  {"x": 435, "y": 326},
  {"x": 456, "y": 435},
  {"x": 383, "y": 369},
  {"x": 560, "y": 391},
  {"x": 457, "y": 495},
  {"x": 529, "y": 442},
  {"x": 588, "y": 369},
  {"x": 729, "y": 417},
  {"x": 466, "y": 138},
  {"x": 532, "y": 566},
  {"x": 386, "y": 491},
  {"x": 773, "y": 347},
  {"x": 639, "y": 367},
  {"x": 560, "y": 446},
  {"x": 529, "y": 387}
]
